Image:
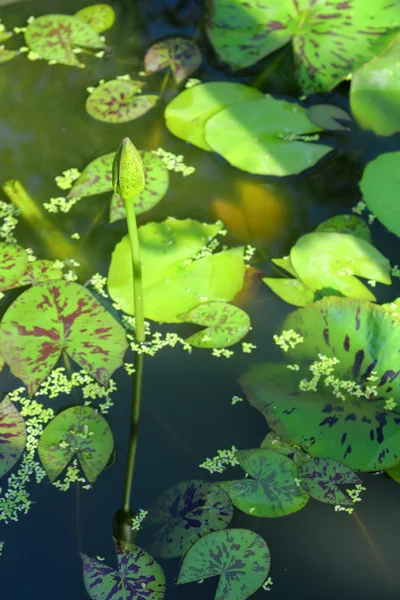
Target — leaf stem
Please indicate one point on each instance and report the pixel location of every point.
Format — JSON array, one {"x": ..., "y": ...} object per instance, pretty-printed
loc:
[{"x": 136, "y": 270}]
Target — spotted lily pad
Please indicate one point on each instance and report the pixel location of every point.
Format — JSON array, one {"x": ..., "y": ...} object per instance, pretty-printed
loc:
[
  {"x": 38, "y": 272},
  {"x": 54, "y": 37},
  {"x": 12, "y": 436},
  {"x": 240, "y": 557},
  {"x": 225, "y": 324},
  {"x": 13, "y": 263},
  {"x": 119, "y": 101},
  {"x": 331, "y": 38},
  {"x": 184, "y": 513},
  {"x": 138, "y": 577},
  {"x": 329, "y": 117},
  {"x": 346, "y": 224},
  {"x": 266, "y": 137},
  {"x": 188, "y": 113},
  {"x": 99, "y": 16},
  {"x": 321, "y": 477},
  {"x": 274, "y": 442},
  {"x": 273, "y": 491},
  {"x": 180, "y": 54},
  {"x": 79, "y": 431},
  {"x": 55, "y": 317}
]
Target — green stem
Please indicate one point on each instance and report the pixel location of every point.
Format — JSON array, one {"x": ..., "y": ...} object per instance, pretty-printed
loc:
[{"x": 136, "y": 269}]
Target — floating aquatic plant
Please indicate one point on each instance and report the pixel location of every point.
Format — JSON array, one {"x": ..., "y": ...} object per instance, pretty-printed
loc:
[
  {"x": 180, "y": 54},
  {"x": 119, "y": 101}
]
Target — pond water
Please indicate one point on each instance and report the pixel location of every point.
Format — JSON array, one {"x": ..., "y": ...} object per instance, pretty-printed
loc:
[{"x": 187, "y": 413}]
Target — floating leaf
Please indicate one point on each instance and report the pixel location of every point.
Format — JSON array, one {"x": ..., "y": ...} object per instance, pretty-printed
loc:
[
  {"x": 284, "y": 263},
  {"x": 375, "y": 92},
  {"x": 54, "y": 37},
  {"x": 240, "y": 557},
  {"x": 55, "y": 317},
  {"x": 273, "y": 442},
  {"x": 38, "y": 272},
  {"x": 80, "y": 431},
  {"x": 139, "y": 577},
  {"x": 187, "y": 114},
  {"x": 184, "y": 513},
  {"x": 331, "y": 38},
  {"x": 327, "y": 261},
  {"x": 394, "y": 473},
  {"x": 290, "y": 290},
  {"x": 180, "y": 54},
  {"x": 225, "y": 325},
  {"x": 266, "y": 137},
  {"x": 99, "y": 16},
  {"x": 13, "y": 263},
  {"x": 347, "y": 224},
  {"x": 380, "y": 187},
  {"x": 329, "y": 117},
  {"x": 6, "y": 55},
  {"x": 273, "y": 492},
  {"x": 321, "y": 477},
  {"x": 12, "y": 435},
  {"x": 118, "y": 101},
  {"x": 173, "y": 282},
  {"x": 96, "y": 178},
  {"x": 5, "y": 35}
]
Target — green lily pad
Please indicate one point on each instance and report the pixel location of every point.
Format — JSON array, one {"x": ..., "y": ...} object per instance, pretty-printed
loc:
[
  {"x": 38, "y": 272},
  {"x": 273, "y": 491},
  {"x": 180, "y": 54},
  {"x": 185, "y": 512},
  {"x": 79, "y": 431},
  {"x": 346, "y": 224},
  {"x": 321, "y": 477},
  {"x": 6, "y": 55},
  {"x": 329, "y": 261},
  {"x": 54, "y": 37},
  {"x": 393, "y": 307},
  {"x": 265, "y": 137},
  {"x": 188, "y": 113},
  {"x": 226, "y": 325},
  {"x": 284, "y": 263},
  {"x": 394, "y": 473},
  {"x": 274, "y": 442},
  {"x": 330, "y": 38},
  {"x": 13, "y": 263},
  {"x": 99, "y": 16},
  {"x": 119, "y": 101},
  {"x": 12, "y": 436},
  {"x": 380, "y": 187},
  {"x": 55, "y": 317},
  {"x": 290, "y": 290},
  {"x": 5, "y": 35},
  {"x": 329, "y": 117},
  {"x": 174, "y": 283},
  {"x": 138, "y": 577},
  {"x": 96, "y": 178},
  {"x": 375, "y": 92}
]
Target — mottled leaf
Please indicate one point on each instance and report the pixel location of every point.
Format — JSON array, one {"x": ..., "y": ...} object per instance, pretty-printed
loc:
[
  {"x": 329, "y": 117},
  {"x": 55, "y": 317},
  {"x": 38, "y": 272},
  {"x": 79, "y": 431},
  {"x": 225, "y": 325},
  {"x": 96, "y": 178},
  {"x": 290, "y": 290},
  {"x": 12, "y": 435},
  {"x": 54, "y": 38},
  {"x": 119, "y": 101},
  {"x": 274, "y": 442},
  {"x": 99, "y": 16},
  {"x": 321, "y": 478},
  {"x": 13, "y": 263},
  {"x": 180, "y": 54},
  {"x": 273, "y": 491},
  {"x": 240, "y": 557},
  {"x": 347, "y": 224},
  {"x": 184, "y": 513}
]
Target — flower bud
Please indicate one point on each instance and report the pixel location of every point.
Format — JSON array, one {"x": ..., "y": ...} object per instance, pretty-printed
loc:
[{"x": 127, "y": 173}]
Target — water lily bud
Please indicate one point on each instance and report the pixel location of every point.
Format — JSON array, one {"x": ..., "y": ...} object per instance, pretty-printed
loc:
[{"x": 127, "y": 173}]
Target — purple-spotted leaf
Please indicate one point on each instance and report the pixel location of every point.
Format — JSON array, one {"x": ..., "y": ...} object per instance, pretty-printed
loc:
[
  {"x": 329, "y": 117},
  {"x": 225, "y": 324},
  {"x": 54, "y": 37},
  {"x": 274, "y": 442},
  {"x": 96, "y": 178},
  {"x": 184, "y": 513},
  {"x": 240, "y": 557},
  {"x": 138, "y": 577},
  {"x": 181, "y": 54},
  {"x": 55, "y": 317},
  {"x": 273, "y": 491},
  {"x": 119, "y": 101},
  {"x": 99, "y": 16},
  {"x": 13, "y": 263},
  {"x": 79, "y": 431},
  {"x": 321, "y": 477},
  {"x": 347, "y": 224},
  {"x": 12, "y": 436},
  {"x": 6, "y": 55},
  {"x": 38, "y": 272}
]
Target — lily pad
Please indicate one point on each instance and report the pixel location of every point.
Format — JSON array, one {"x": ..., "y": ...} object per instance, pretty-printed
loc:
[
  {"x": 321, "y": 478},
  {"x": 273, "y": 442},
  {"x": 96, "y": 178},
  {"x": 226, "y": 325},
  {"x": 173, "y": 282},
  {"x": 347, "y": 224},
  {"x": 329, "y": 261},
  {"x": 13, "y": 263},
  {"x": 375, "y": 92},
  {"x": 184, "y": 513},
  {"x": 119, "y": 101},
  {"x": 290, "y": 290},
  {"x": 55, "y": 317},
  {"x": 180, "y": 54},
  {"x": 266, "y": 137},
  {"x": 188, "y": 113},
  {"x": 380, "y": 187},
  {"x": 79, "y": 431},
  {"x": 38, "y": 272},
  {"x": 284, "y": 263},
  {"x": 138, "y": 576},
  {"x": 329, "y": 117},
  {"x": 99, "y": 16},
  {"x": 330, "y": 38},
  {"x": 54, "y": 37},
  {"x": 273, "y": 491},
  {"x": 394, "y": 473},
  {"x": 12, "y": 436},
  {"x": 240, "y": 557},
  {"x": 6, "y": 55}
]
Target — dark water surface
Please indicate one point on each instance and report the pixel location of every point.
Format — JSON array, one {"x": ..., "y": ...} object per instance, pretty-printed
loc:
[{"x": 187, "y": 413}]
